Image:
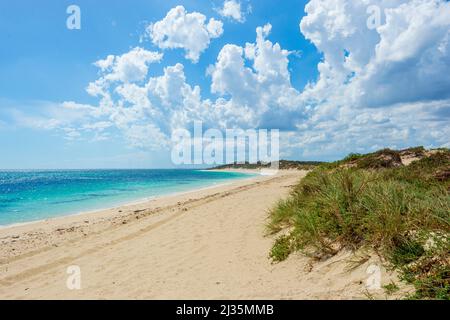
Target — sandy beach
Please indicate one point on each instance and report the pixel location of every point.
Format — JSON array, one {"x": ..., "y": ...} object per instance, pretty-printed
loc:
[{"x": 205, "y": 244}]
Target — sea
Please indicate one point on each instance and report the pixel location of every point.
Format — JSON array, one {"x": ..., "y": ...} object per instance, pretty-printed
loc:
[{"x": 31, "y": 195}]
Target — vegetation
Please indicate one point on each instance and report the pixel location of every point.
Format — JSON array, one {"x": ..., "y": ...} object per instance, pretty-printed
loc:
[
  {"x": 391, "y": 288},
  {"x": 401, "y": 212},
  {"x": 283, "y": 165}
]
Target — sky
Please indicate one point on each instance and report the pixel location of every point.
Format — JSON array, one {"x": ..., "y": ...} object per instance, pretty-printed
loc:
[{"x": 334, "y": 76}]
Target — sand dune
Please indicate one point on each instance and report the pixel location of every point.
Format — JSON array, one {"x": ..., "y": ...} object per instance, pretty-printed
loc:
[{"x": 207, "y": 244}]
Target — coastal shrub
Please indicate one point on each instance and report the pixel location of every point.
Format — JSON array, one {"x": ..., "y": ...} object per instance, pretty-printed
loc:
[
  {"x": 391, "y": 288},
  {"x": 397, "y": 211},
  {"x": 282, "y": 165},
  {"x": 385, "y": 158},
  {"x": 352, "y": 157},
  {"x": 282, "y": 248}
]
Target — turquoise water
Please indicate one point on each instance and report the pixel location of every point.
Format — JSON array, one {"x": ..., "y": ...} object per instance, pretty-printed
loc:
[{"x": 35, "y": 195}]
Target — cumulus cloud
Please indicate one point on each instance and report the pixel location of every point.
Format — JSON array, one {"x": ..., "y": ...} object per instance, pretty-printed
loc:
[
  {"x": 147, "y": 109},
  {"x": 188, "y": 31},
  {"x": 145, "y": 112},
  {"x": 264, "y": 90},
  {"x": 372, "y": 64},
  {"x": 129, "y": 67},
  {"x": 400, "y": 68},
  {"x": 232, "y": 9}
]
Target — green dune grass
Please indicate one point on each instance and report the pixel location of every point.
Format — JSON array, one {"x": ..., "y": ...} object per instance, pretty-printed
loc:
[{"x": 373, "y": 201}]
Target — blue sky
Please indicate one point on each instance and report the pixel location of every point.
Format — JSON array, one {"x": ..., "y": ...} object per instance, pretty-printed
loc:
[{"x": 332, "y": 86}]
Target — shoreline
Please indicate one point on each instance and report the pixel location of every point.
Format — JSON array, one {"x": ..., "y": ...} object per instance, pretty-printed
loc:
[
  {"x": 118, "y": 212},
  {"x": 133, "y": 202},
  {"x": 207, "y": 244}
]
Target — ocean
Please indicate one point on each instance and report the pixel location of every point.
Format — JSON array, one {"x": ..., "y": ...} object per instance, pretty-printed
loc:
[{"x": 35, "y": 195}]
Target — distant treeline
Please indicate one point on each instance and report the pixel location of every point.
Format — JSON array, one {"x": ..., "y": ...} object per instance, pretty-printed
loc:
[{"x": 283, "y": 165}]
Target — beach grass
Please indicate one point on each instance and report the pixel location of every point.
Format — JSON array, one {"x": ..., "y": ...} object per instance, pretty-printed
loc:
[{"x": 373, "y": 201}]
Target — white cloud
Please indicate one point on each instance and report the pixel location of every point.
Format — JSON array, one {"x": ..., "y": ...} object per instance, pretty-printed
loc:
[
  {"x": 264, "y": 91},
  {"x": 372, "y": 65},
  {"x": 414, "y": 45},
  {"x": 380, "y": 87},
  {"x": 344, "y": 130},
  {"x": 189, "y": 31},
  {"x": 129, "y": 67},
  {"x": 400, "y": 68},
  {"x": 232, "y": 9},
  {"x": 147, "y": 109}
]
